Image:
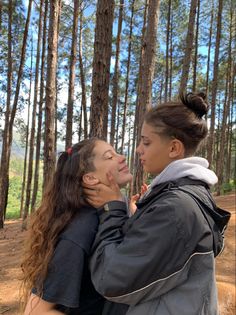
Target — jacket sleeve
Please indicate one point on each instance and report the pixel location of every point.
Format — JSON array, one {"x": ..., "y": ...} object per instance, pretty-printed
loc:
[{"x": 132, "y": 267}]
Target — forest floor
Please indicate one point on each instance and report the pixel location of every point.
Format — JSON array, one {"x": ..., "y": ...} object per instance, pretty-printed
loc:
[{"x": 11, "y": 245}]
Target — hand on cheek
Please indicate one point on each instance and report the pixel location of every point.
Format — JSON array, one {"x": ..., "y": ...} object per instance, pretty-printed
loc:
[{"x": 99, "y": 194}]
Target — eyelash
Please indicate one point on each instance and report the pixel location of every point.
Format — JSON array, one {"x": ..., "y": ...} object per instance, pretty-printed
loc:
[{"x": 146, "y": 144}]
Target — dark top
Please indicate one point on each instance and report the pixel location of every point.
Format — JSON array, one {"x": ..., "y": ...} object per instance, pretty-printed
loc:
[{"x": 68, "y": 282}]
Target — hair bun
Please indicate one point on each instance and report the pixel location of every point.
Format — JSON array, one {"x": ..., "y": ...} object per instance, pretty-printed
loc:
[{"x": 196, "y": 102}]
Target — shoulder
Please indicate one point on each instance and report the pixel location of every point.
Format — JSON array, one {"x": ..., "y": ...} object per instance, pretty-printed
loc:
[
  {"x": 82, "y": 229},
  {"x": 175, "y": 203}
]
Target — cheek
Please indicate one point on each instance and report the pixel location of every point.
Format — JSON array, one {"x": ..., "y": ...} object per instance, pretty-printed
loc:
[
  {"x": 112, "y": 168},
  {"x": 151, "y": 154}
]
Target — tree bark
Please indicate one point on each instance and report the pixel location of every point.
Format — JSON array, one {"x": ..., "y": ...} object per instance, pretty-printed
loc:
[
  {"x": 82, "y": 76},
  {"x": 134, "y": 157},
  {"x": 229, "y": 174},
  {"x": 189, "y": 47},
  {"x": 127, "y": 78},
  {"x": 171, "y": 56},
  {"x": 146, "y": 78},
  {"x": 33, "y": 122},
  {"x": 228, "y": 93},
  {"x": 167, "y": 49},
  {"x": 117, "y": 127},
  {"x": 27, "y": 136},
  {"x": 1, "y": 15},
  {"x": 116, "y": 75},
  {"x": 101, "y": 68},
  {"x": 4, "y": 167},
  {"x": 196, "y": 48},
  {"x": 40, "y": 111},
  {"x": 209, "y": 48},
  {"x": 214, "y": 85},
  {"x": 71, "y": 92},
  {"x": 49, "y": 149}
]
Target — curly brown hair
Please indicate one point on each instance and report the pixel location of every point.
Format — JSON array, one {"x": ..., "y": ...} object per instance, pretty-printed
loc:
[{"x": 61, "y": 200}]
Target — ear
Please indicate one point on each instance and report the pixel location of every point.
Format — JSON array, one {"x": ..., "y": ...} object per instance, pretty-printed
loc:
[
  {"x": 90, "y": 179},
  {"x": 176, "y": 149}
]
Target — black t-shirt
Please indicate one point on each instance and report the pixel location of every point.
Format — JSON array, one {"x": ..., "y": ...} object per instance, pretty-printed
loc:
[{"x": 68, "y": 282}]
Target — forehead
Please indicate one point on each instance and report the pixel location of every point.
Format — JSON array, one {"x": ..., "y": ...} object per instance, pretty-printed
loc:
[
  {"x": 148, "y": 130},
  {"x": 102, "y": 147}
]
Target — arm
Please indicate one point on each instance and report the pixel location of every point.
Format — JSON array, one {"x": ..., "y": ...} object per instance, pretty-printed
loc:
[
  {"x": 130, "y": 268},
  {"x": 63, "y": 282},
  {"x": 37, "y": 306}
]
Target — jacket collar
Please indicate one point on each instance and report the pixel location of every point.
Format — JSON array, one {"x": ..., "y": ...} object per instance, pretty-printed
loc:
[{"x": 158, "y": 189}]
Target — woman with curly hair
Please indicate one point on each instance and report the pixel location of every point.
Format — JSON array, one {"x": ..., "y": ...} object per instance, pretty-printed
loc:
[{"x": 56, "y": 277}]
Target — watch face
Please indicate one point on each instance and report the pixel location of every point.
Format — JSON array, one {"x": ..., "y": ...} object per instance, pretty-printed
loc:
[{"x": 106, "y": 208}]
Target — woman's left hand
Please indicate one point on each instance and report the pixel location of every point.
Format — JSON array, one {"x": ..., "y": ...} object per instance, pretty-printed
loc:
[
  {"x": 99, "y": 194},
  {"x": 135, "y": 198}
]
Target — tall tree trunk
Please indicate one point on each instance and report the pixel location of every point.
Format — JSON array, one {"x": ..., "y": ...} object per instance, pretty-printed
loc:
[
  {"x": 71, "y": 92},
  {"x": 116, "y": 75},
  {"x": 215, "y": 85},
  {"x": 196, "y": 48},
  {"x": 209, "y": 48},
  {"x": 133, "y": 156},
  {"x": 148, "y": 64},
  {"x": 171, "y": 56},
  {"x": 49, "y": 149},
  {"x": 4, "y": 167},
  {"x": 167, "y": 49},
  {"x": 127, "y": 78},
  {"x": 230, "y": 130},
  {"x": 228, "y": 92},
  {"x": 82, "y": 77},
  {"x": 27, "y": 135},
  {"x": 4, "y": 182},
  {"x": 33, "y": 123},
  {"x": 189, "y": 47},
  {"x": 57, "y": 83},
  {"x": 40, "y": 111},
  {"x": 129, "y": 144},
  {"x": 0, "y": 16},
  {"x": 80, "y": 123},
  {"x": 117, "y": 127},
  {"x": 146, "y": 78},
  {"x": 101, "y": 68}
]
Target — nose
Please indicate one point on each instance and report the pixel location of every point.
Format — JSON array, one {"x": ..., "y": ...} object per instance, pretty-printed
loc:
[
  {"x": 138, "y": 149},
  {"x": 122, "y": 158}
]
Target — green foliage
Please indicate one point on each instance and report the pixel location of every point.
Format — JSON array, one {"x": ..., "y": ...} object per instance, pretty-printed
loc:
[
  {"x": 15, "y": 187},
  {"x": 14, "y": 197},
  {"x": 228, "y": 187}
]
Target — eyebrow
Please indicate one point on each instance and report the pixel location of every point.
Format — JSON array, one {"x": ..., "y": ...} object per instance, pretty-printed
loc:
[{"x": 144, "y": 137}]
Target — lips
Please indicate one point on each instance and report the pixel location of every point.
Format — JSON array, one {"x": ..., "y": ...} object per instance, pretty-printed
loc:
[
  {"x": 142, "y": 161},
  {"x": 124, "y": 169}
]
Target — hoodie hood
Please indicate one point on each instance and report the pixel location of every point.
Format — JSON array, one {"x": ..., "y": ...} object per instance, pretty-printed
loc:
[{"x": 192, "y": 167}]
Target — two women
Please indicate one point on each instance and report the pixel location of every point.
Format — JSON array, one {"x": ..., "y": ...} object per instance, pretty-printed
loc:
[
  {"x": 161, "y": 260},
  {"x": 57, "y": 279}
]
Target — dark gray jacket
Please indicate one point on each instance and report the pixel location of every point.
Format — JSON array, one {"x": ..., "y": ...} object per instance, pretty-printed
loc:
[{"x": 161, "y": 260}]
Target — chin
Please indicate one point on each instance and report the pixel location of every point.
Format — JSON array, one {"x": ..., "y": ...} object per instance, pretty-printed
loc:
[{"x": 126, "y": 181}]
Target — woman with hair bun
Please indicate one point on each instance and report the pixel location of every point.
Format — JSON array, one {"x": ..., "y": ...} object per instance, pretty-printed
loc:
[
  {"x": 56, "y": 277},
  {"x": 161, "y": 261}
]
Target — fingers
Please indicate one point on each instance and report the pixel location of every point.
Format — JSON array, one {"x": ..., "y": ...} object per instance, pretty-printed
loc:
[
  {"x": 144, "y": 188},
  {"x": 111, "y": 180},
  {"x": 135, "y": 198}
]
